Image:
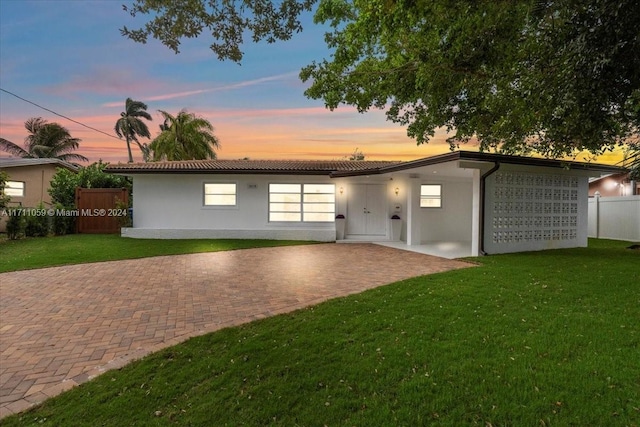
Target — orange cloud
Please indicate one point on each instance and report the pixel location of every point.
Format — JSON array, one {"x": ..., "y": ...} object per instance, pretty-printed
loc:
[{"x": 288, "y": 133}]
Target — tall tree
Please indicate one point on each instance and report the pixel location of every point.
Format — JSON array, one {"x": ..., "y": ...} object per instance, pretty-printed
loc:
[
  {"x": 45, "y": 140},
  {"x": 184, "y": 137},
  {"x": 551, "y": 76},
  {"x": 131, "y": 126}
]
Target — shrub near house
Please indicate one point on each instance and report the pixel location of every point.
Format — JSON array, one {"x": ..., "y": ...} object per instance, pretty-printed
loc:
[
  {"x": 4, "y": 199},
  {"x": 63, "y": 191}
]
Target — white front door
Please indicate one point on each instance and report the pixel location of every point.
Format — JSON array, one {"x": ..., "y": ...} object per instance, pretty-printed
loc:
[{"x": 367, "y": 210}]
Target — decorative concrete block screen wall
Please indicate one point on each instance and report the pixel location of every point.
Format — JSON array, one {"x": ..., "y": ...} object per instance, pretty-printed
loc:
[{"x": 533, "y": 211}]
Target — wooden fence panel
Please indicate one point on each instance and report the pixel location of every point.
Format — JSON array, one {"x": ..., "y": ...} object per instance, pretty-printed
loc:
[{"x": 98, "y": 210}]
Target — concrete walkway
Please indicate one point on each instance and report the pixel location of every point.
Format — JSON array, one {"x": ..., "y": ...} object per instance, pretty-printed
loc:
[{"x": 62, "y": 326}]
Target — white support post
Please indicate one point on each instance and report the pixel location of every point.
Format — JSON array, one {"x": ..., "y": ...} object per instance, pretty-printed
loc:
[
  {"x": 475, "y": 214},
  {"x": 597, "y": 210}
]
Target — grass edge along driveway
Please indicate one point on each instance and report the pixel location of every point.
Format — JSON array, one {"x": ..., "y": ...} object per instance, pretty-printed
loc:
[
  {"x": 544, "y": 338},
  {"x": 40, "y": 252}
]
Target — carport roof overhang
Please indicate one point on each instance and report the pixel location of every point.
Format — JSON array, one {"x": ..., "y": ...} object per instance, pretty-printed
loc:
[
  {"x": 472, "y": 159},
  {"x": 345, "y": 168}
]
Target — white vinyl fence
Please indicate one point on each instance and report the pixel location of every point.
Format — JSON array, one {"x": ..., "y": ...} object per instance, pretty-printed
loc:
[{"x": 615, "y": 218}]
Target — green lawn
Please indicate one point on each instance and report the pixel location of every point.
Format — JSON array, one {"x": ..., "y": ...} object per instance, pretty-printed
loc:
[
  {"x": 37, "y": 252},
  {"x": 534, "y": 339}
]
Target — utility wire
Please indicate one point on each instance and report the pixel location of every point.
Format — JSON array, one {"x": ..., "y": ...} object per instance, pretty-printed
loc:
[
  {"x": 631, "y": 157},
  {"x": 60, "y": 115}
]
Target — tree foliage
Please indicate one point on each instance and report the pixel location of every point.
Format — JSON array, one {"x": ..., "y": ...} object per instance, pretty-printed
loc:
[
  {"x": 4, "y": 199},
  {"x": 184, "y": 137},
  {"x": 551, "y": 77},
  {"x": 226, "y": 20},
  {"x": 131, "y": 126},
  {"x": 63, "y": 184},
  {"x": 555, "y": 77},
  {"x": 45, "y": 140}
]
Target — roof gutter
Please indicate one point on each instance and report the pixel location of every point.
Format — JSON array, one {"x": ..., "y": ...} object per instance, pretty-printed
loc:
[
  {"x": 483, "y": 178},
  {"x": 215, "y": 172},
  {"x": 482, "y": 157}
]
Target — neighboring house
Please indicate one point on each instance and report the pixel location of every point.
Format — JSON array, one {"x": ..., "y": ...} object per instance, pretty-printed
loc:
[
  {"x": 488, "y": 203},
  {"x": 614, "y": 207},
  {"x": 29, "y": 181},
  {"x": 614, "y": 185}
]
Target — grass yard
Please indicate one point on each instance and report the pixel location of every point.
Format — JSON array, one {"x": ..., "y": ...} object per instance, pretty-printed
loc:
[
  {"x": 534, "y": 339},
  {"x": 38, "y": 252}
]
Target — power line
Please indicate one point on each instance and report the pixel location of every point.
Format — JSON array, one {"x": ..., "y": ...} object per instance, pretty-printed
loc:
[{"x": 60, "y": 115}]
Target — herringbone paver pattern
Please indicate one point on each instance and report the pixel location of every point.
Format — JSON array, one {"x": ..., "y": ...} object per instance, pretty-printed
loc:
[{"x": 62, "y": 326}]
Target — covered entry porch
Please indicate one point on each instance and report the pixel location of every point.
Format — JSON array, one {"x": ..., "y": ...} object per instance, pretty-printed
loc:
[{"x": 437, "y": 205}]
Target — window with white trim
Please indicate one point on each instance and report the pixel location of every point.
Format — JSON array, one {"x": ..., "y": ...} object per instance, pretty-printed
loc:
[
  {"x": 14, "y": 189},
  {"x": 219, "y": 194},
  {"x": 431, "y": 196},
  {"x": 302, "y": 202}
]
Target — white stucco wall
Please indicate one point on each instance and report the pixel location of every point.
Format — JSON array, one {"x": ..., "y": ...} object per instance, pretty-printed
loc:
[
  {"x": 529, "y": 208},
  {"x": 453, "y": 221},
  {"x": 171, "y": 206},
  {"x": 517, "y": 218}
]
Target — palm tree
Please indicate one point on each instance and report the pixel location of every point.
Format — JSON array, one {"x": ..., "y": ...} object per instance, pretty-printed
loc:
[
  {"x": 131, "y": 126},
  {"x": 45, "y": 140},
  {"x": 184, "y": 137}
]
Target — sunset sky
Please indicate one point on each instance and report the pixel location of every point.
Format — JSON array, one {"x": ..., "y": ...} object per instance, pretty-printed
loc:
[{"x": 69, "y": 57}]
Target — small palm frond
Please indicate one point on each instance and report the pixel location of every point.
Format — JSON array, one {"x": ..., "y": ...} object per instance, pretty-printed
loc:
[
  {"x": 34, "y": 126},
  {"x": 13, "y": 149},
  {"x": 138, "y": 127},
  {"x": 118, "y": 128}
]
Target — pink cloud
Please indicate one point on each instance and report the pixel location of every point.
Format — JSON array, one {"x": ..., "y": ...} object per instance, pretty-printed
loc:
[{"x": 105, "y": 81}]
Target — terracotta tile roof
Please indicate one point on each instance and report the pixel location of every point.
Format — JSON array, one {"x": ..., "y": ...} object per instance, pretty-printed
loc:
[
  {"x": 320, "y": 167},
  {"x": 341, "y": 168}
]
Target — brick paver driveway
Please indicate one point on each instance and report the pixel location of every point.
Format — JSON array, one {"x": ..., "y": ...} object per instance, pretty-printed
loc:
[{"x": 64, "y": 325}]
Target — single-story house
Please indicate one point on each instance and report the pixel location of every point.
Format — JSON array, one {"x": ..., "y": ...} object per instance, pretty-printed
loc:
[
  {"x": 484, "y": 203},
  {"x": 614, "y": 185},
  {"x": 29, "y": 181}
]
